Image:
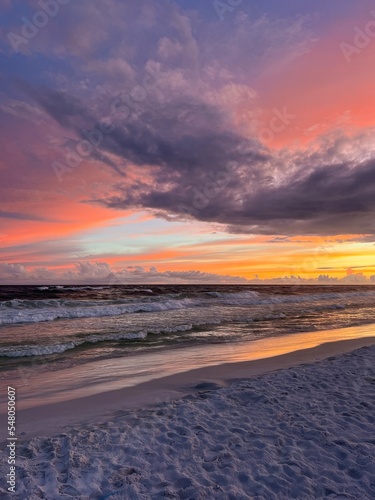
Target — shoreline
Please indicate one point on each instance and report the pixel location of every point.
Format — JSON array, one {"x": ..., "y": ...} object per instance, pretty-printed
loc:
[
  {"x": 301, "y": 432},
  {"x": 89, "y": 410}
]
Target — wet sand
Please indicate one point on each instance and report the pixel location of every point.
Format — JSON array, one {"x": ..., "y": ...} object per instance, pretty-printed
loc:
[
  {"x": 53, "y": 410},
  {"x": 297, "y": 425}
]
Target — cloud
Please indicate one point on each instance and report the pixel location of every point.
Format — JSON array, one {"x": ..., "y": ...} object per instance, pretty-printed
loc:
[
  {"x": 192, "y": 162},
  {"x": 66, "y": 110},
  {"x": 101, "y": 272},
  {"x": 252, "y": 45},
  {"x": 21, "y": 216},
  {"x": 92, "y": 270},
  {"x": 138, "y": 274},
  {"x": 88, "y": 272},
  {"x": 13, "y": 271},
  {"x": 183, "y": 150},
  {"x": 214, "y": 175},
  {"x": 23, "y": 110}
]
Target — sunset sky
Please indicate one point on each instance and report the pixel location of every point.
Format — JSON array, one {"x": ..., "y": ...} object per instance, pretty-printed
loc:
[{"x": 187, "y": 141}]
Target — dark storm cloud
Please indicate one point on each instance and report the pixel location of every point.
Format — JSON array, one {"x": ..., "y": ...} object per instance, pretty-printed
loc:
[
  {"x": 329, "y": 199},
  {"x": 198, "y": 166},
  {"x": 65, "y": 109},
  {"x": 71, "y": 114},
  {"x": 332, "y": 199},
  {"x": 186, "y": 146},
  {"x": 207, "y": 171},
  {"x": 183, "y": 133}
]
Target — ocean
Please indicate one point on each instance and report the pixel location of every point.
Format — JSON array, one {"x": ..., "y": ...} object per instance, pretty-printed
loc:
[{"x": 54, "y": 327}]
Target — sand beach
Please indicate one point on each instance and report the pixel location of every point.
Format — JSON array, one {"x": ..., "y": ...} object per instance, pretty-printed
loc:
[{"x": 297, "y": 425}]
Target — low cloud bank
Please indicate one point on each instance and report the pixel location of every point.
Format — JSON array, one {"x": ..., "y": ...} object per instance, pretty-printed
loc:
[{"x": 102, "y": 273}]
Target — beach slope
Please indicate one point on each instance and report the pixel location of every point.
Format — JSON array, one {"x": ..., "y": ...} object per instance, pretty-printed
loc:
[{"x": 300, "y": 432}]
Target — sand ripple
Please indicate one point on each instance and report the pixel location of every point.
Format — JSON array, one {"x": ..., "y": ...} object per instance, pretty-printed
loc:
[{"x": 303, "y": 433}]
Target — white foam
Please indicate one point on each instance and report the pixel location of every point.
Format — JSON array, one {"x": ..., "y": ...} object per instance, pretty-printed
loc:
[
  {"x": 35, "y": 311},
  {"x": 23, "y": 311},
  {"x": 44, "y": 350}
]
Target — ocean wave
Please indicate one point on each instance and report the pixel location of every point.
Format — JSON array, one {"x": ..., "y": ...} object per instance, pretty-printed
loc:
[
  {"x": 247, "y": 294},
  {"x": 47, "y": 350},
  {"x": 248, "y": 298},
  {"x": 26, "y": 311},
  {"x": 72, "y": 288},
  {"x": 81, "y": 288},
  {"x": 58, "y": 348},
  {"x": 30, "y": 350},
  {"x": 42, "y": 310}
]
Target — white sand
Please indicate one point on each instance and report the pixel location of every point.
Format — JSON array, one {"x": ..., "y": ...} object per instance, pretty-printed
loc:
[
  {"x": 305, "y": 432},
  {"x": 48, "y": 402}
]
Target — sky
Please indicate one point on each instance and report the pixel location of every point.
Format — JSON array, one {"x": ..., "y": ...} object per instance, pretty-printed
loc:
[{"x": 187, "y": 141}]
